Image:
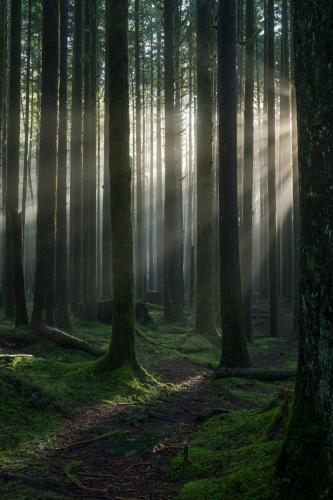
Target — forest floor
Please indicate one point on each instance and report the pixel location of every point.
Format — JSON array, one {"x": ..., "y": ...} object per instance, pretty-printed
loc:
[{"x": 175, "y": 433}]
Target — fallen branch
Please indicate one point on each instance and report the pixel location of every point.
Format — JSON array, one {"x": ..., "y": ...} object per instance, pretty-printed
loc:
[
  {"x": 102, "y": 437},
  {"x": 144, "y": 337},
  {"x": 64, "y": 339},
  {"x": 265, "y": 375}
]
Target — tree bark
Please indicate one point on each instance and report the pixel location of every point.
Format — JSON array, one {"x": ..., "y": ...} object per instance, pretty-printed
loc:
[
  {"x": 205, "y": 315},
  {"x": 122, "y": 348},
  {"x": 234, "y": 349},
  {"x": 44, "y": 297}
]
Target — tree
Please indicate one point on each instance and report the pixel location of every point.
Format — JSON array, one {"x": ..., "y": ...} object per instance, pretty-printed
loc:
[
  {"x": 122, "y": 348},
  {"x": 306, "y": 458},
  {"x": 247, "y": 222},
  {"x": 106, "y": 235},
  {"x": 172, "y": 224},
  {"x": 61, "y": 282},
  {"x": 205, "y": 317},
  {"x": 234, "y": 349},
  {"x": 140, "y": 274},
  {"x": 14, "y": 254},
  {"x": 76, "y": 164},
  {"x": 89, "y": 162},
  {"x": 44, "y": 297},
  {"x": 272, "y": 250}
]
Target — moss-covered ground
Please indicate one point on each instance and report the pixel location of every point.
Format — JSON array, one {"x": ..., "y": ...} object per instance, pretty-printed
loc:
[{"x": 234, "y": 428}]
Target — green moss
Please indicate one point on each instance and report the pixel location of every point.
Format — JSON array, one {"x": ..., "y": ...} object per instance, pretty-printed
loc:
[{"x": 232, "y": 458}]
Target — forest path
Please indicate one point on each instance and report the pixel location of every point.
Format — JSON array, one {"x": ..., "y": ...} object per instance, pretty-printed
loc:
[{"x": 134, "y": 463}]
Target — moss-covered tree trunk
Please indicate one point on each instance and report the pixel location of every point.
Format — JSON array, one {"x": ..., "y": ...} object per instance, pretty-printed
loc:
[
  {"x": 61, "y": 282},
  {"x": 307, "y": 455},
  {"x": 234, "y": 349},
  {"x": 44, "y": 297},
  {"x": 122, "y": 349},
  {"x": 76, "y": 164},
  {"x": 205, "y": 318},
  {"x": 172, "y": 224},
  {"x": 247, "y": 233}
]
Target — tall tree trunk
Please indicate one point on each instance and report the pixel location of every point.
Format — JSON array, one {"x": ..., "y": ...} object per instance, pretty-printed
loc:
[
  {"x": 43, "y": 309},
  {"x": 106, "y": 236},
  {"x": 172, "y": 223},
  {"x": 61, "y": 282},
  {"x": 27, "y": 117},
  {"x": 296, "y": 207},
  {"x": 151, "y": 169},
  {"x": 205, "y": 317},
  {"x": 247, "y": 245},
  {"x": 76, "y": 164},
  {"x": 140, "y": 243},
  {"x": 159, "y": 183},
  {"x": 306, "y": 458},
  {"x": 123, "y": 329},
  {"x": 273, "y": 290},
  {"x": 89, "y": 162},
  {"x": 234, "y": 349},
  {"x": 14, "y": 255}
]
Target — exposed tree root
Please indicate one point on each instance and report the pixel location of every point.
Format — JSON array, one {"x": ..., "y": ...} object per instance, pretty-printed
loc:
[{"x": 264, "y": 375}]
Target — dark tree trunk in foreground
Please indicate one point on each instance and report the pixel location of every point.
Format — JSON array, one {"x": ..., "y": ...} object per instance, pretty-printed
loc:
[
  {"x": 307, "y": 455},
  {"x": 47, "y": 173},
  {"x": 248, "y": 172},
  {"x": 14, "y": 254},
  {"x": 76, "y": 164},
  {"x": 159, "y": 183},
  {"x": 89, "y": 163},
  {"x": 61, "y": 283},
  {"x": 172, "y": 223},
  {"x": 122, "y": 348},
  {"x": 272, "y": 250},
  {"x": 205, "y": 318},
  {"x": 106, "y": 236},
  {"x": 234, "y": 349}
]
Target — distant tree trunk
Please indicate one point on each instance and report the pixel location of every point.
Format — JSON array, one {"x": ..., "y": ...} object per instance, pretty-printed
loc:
[
  {"x": 106, "y": 236},
  {"x": 263, "y": 272},
  {"x": 234, "y": 349},
  {"x": 296, "y": 207},
  {"x": 159, "y": 183},
  {"x": 189, "y": 221},
  {"x": 247, "y": 246},
  {"x": 27, "y": 118},
  {"x": 205, "y": 315},
  {"x": 89, "y": 163},
  {"x": 285, "y": 160},
  {"x": 172, "y": 223},
  {"x": 122, "y": 349},
  {"x": 306, "y": 459},
  {"x": 43, "y": 309},
  {"x": 273, "y": 290},
  {"x": 13, "y": 225},
  {"x": 151, "y": 169},
  {"x": 76, "y": 164},
  {"x": 140, "y": 243},
  {"x": 61, "y": 282}
]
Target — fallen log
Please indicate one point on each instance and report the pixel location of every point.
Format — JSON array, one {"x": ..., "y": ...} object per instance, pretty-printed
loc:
[
  {"x": 63, "y": 339},
  {"x": 17, "y": 338},
  {"x": 261, "y": 374}
]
